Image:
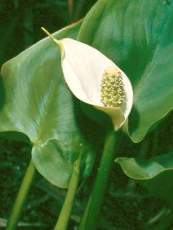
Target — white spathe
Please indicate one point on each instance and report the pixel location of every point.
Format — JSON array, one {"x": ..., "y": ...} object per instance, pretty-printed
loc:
[{"x": 83, "y": 67}]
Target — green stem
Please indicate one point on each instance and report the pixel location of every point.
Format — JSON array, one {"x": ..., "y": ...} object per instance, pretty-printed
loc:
[
  {"x": 64, "y": 216},
  {"x": 21, "y": 197},
  {"x": 90, "y": 218}
]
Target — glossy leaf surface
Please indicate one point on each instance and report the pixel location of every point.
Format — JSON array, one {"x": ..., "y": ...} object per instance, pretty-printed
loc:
[{"x": 37, "y": 103}]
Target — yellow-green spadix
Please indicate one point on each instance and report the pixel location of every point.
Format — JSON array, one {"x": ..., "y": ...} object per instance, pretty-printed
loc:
[{"x": 95, "y": 79}]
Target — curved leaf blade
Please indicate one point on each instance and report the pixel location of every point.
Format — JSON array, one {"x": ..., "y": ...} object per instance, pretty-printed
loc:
[{"x": 139, "y": 169}]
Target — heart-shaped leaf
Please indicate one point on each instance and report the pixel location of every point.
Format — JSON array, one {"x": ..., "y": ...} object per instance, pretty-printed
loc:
[
  {"x": 38, "y": 104},
  {"x": 137, "y": 35}
]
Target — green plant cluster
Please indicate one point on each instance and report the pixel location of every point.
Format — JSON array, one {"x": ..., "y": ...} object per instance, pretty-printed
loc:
[{"x": 39, "y": 115}]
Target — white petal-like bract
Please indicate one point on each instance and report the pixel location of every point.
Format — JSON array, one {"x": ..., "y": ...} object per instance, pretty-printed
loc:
[
  {"x": 95, "y": 79},
  {"x": 84, "y": 67}
]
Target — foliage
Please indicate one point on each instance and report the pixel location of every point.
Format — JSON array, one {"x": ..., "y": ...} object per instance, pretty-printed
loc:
[{"x": 59, "y": 127}]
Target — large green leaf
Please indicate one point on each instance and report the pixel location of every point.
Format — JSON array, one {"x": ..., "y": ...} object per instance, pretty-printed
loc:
[
  {"x": 137, "y": 35},
  {"x": 37, "y": 103}
]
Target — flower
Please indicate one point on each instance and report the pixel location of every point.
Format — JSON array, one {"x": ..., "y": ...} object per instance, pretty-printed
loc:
[{"x": 95, "y": 79}]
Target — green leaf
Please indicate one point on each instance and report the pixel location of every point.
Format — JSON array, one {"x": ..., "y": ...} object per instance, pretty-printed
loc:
[
  {"x": 38, "y": 104},
  {"x": 139, "y": 169},
  {"x": 160, "y": 186},
  {"x": 136, "y": 35},
  {"x": 155, "y": 174},
  {"x": 50, "y": 159}
]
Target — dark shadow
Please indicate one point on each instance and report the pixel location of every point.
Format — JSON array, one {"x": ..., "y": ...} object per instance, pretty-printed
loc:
[
  {"x": 91, "y": 122},
  {"x": 92, "y": 125},
  {"x": 15, "y": 136}
]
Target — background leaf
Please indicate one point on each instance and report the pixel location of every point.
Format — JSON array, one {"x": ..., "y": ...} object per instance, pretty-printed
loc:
[
  {"x": 38, "y": 104},
  {"x": 140, "y": 169},
  {"x": 138, "y": 40},
  {"x": 154, "y": 174}
]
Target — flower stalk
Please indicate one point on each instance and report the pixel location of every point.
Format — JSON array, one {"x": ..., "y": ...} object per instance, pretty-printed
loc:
[{"x": 89, "y": 219}]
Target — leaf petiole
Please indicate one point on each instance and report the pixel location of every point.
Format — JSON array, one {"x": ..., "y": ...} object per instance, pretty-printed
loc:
[
  {"x": 64, "y": 216},
  {"x": 21, "y": 197}
]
